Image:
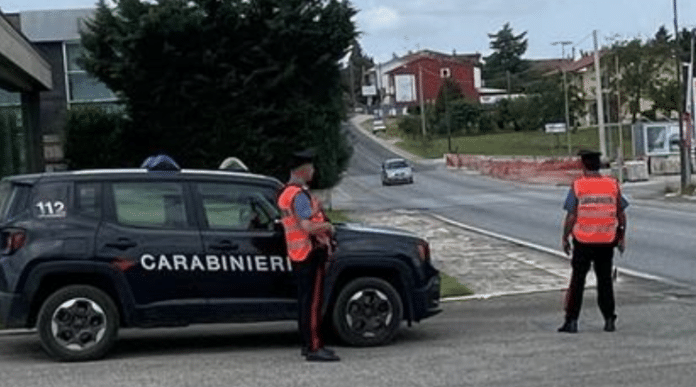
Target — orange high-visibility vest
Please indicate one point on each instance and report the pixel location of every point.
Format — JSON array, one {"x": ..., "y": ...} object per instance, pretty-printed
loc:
[
  {"x": 297, "y": 240},
  {"x": 598, "y": 203}
]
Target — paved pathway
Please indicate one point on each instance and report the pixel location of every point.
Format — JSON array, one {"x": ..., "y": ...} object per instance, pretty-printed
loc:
[{"x": 487, "y": 265}]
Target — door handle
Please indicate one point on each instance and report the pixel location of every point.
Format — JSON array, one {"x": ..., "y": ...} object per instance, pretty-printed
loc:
[
  {"x": 121, "y": 244},
  {"x": 224, "y": 245}
]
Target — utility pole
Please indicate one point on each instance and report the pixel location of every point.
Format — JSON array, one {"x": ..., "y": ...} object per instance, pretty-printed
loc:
[
  {"x": 420, "y": 96},
  {"x": 565, "y": 90},
  {"x": 619, "y": 153},
  {"x": 680, "y": 104},
  {"x": 600, "y": 100}
]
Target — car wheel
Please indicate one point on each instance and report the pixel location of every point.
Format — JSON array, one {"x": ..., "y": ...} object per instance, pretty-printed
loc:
[
  {"x": 368, "y": 311},
  {"x": 78, "y": 323}
]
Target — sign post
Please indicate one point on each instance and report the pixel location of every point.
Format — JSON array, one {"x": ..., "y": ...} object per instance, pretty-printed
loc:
[{"x": 557, "y": 128}]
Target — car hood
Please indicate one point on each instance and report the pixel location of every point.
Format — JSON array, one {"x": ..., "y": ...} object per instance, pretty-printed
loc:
[{"x": 355, "y": 237}]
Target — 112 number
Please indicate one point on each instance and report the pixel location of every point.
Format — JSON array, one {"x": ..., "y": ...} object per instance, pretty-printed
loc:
[{"x": 51, "y": 209}]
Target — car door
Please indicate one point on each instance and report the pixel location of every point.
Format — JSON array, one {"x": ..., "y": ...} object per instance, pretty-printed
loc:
[
  {"x": 149, "y": 232},
  {"x": 243, "y": 241}
]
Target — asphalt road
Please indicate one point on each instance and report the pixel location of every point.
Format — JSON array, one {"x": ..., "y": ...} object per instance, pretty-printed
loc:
[
  {"x": 505, "y": 341},
  {"x": 660, "y": 235}
]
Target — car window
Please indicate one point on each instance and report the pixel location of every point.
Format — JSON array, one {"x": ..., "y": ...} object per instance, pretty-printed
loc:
[
  {"x": 237, "y": 207},
  {"x": 5, "y": 190},
  {"x": 88, "y": 199},
  {"x": 150, "y": 204},
  {"x": 51, "y": 200},
  {"x": 397, "y": 164}
]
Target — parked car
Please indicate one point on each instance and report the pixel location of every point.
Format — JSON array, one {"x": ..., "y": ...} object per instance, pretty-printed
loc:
[
  {"x": 396, "y": 171},
  {"x": 85, "y": 253}
]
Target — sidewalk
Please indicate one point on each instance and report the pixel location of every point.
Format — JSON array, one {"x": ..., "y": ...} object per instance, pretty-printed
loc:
[{"x": 489, "y": 266}]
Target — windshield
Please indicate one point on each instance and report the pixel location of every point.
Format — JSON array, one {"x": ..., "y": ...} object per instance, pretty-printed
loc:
[{"x": 397, "y": 164}]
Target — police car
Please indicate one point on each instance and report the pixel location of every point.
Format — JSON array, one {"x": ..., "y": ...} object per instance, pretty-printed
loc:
[{"x": 85, "y": 253}]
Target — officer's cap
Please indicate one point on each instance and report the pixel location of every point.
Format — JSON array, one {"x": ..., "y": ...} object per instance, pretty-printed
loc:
[
  {"x": 589, "y": 154},
  {"x": 590, "y": 159},
  {"x": 303, "y": 157}
]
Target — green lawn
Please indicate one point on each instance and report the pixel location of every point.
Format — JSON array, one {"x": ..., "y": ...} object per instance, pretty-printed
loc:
[
  {"x": 509, "y": 143},
  {"x": 450, "y": 287}
]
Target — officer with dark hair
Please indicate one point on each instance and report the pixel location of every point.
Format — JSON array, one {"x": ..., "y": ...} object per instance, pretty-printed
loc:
[
  {"x": 596, "y": 220},
  {"x": 309, "y": 240}
]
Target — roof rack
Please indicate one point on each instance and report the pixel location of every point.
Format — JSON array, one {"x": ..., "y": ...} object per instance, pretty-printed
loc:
[{"x": 160, "y": 163}]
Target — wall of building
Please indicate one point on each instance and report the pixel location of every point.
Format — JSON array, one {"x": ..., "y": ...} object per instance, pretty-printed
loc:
[{"x": 434, "y": 70}]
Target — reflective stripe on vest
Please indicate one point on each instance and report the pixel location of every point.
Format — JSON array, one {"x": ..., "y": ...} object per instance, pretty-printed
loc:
[
  {"x": 598, "y": 201},
  {"x": 297, "y": 240}
]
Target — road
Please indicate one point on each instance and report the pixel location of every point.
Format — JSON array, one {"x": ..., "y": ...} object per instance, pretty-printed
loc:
[
  {"x": 660, "y": 236},
  {"x": 505, "y": 341}
]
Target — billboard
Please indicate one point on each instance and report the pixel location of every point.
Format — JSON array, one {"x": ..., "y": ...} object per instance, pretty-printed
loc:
[{"x": 405, "y": 87}]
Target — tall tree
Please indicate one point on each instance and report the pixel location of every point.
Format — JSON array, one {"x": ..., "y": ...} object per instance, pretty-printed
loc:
[
  {"x": 206, "y": 79},
  {"x": 506, "y": 60},
  {"x": 644, "y": 69},
  {"x": 353, "y": 72}
]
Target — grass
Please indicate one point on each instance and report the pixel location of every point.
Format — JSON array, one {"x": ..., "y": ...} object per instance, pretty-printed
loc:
[
  {"x": 535, "y": 143},
  {"x": 338, "y": 216},
  {"x": 450, "y": 287}
]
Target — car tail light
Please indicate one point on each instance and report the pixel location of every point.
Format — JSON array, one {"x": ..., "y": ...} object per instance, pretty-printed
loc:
[
  {"x": 424, "y": 251},
  {"x": 13, "y": 239}
]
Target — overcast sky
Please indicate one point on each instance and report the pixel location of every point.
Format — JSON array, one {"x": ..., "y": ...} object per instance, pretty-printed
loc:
[{"x": 397, "y": 26}]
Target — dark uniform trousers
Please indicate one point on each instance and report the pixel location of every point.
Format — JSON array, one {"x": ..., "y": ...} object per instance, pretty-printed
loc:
[
  {"x": 310, "y": 294},
  {"x": 600, "y": 256}
]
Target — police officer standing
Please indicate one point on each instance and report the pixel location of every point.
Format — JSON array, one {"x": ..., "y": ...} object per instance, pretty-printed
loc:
[
  {"x": 308, "y": 236},
  {"x": 596, "y": 220}
]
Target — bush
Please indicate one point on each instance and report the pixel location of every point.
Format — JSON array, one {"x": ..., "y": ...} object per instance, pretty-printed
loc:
[{"x": 94, "y": 138}]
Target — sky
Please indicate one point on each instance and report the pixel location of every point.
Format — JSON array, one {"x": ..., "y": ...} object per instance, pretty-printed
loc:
[{"x": 391, "y": 27}]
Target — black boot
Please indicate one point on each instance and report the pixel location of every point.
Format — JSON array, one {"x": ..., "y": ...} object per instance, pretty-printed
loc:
[
  {"x": 610, "y": 324},
  {"x": 322, "y": 355},
  {"x": 570, "y": 326},
  {"x": 305, "y": 350}
]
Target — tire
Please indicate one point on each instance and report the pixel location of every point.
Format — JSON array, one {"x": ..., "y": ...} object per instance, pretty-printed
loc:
[
  {"x": 368, "y": 312},
  {"x": 78, "y": 323}
]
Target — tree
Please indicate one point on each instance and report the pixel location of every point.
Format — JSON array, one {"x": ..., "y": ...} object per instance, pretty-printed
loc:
[
  {"x": 643, "y": 69},
  {"x": 352, "y": 74},
  {"x": 506, "y": 60},
  {"x": 206, "y": 79}
]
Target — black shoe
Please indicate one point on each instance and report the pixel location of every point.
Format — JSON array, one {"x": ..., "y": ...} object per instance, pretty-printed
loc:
[
  {"x": 570, "y": 326},
  {"x": 610, "y": 324},
  {"x": 305, "y": 350},
  {"x": 322, "y": 354}
]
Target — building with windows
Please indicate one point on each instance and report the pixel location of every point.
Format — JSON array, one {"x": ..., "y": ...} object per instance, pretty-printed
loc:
[
  {"x": 24, "y": 74},
  {"x": 405, "y": 81},
  {"x": 55, "y": 36}
]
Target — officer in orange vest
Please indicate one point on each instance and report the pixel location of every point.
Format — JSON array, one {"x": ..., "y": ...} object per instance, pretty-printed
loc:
[
  {"x": 308, "y": 236},
  {"x": 596, "y": 220}
]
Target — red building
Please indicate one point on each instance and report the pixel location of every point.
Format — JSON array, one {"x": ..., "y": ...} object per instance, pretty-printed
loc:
[{"x": 428, "y": 69}]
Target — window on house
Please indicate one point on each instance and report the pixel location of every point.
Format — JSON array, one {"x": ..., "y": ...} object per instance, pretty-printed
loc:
[
  {"x": 445, "y": 72},
  {"x": 81, "y": 86}
]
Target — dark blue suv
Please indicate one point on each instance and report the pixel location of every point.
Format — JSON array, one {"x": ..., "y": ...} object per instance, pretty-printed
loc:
[{"x": 85, "y": 253}]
